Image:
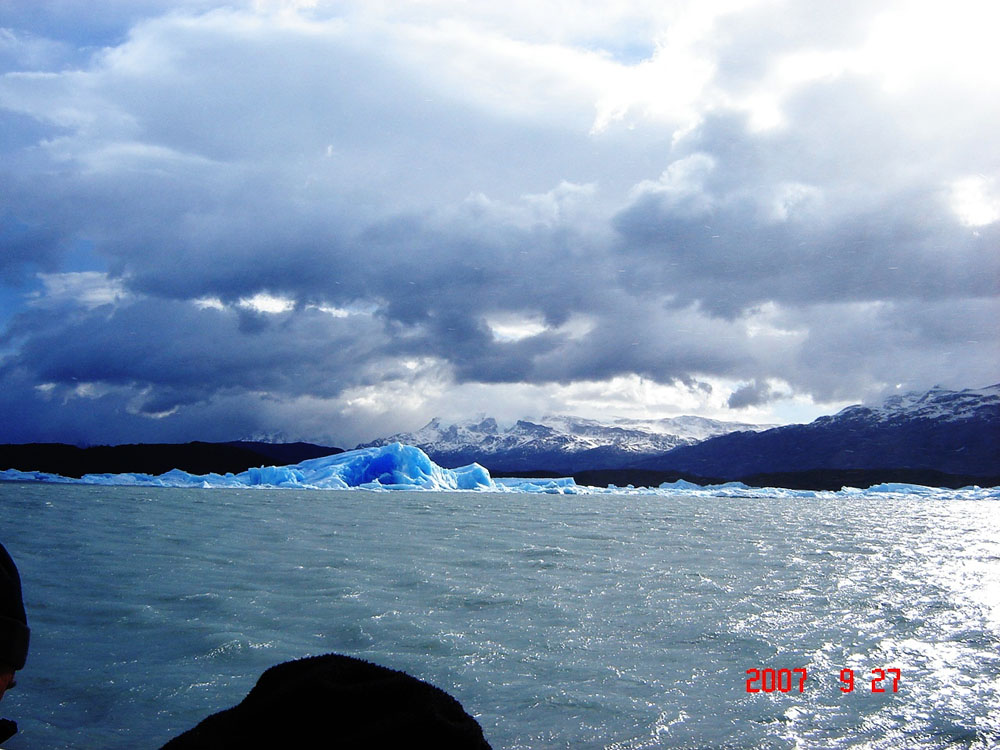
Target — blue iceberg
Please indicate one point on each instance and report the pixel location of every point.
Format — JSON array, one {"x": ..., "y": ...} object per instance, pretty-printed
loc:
[
  {"x": 389, "y": 467},
  {"x": 394, "y": 466}
]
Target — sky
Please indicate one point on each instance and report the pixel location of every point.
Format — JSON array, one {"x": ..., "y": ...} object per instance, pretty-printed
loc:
[{"x": 333, "y": 221}]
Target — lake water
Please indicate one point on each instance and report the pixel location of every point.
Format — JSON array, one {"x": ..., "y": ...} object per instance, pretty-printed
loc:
[{"x": 599, "y": 621}]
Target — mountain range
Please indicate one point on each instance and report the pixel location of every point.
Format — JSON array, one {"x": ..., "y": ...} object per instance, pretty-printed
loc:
[
  {"x": 951, "y": 432},
  {"x": 938, "y": 437},
  {"x": 558, "y": 444}
]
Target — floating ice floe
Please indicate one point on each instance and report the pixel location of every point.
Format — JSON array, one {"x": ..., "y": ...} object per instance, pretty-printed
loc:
[{"x": 406, "y": 467}]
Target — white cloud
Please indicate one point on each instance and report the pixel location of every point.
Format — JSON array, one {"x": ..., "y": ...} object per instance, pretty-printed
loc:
[
  {"x": 682, "y": 177},
  {"x": 514, "y": 327},
  {"x": 209, "y": 303},
  {"x": 767, "y": 321},
  {"x": 975, "y": 200},
  {"x": 89, "y": 289},
  {"x": 263, "y": 302},
  {"x": 914, "y": 42},
  {"x": 28, "y": 51},
  {"x": 507, "y": 326}
]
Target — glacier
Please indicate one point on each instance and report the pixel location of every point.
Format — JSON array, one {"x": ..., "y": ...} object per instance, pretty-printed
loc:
[{"x": 406, "y": 467}]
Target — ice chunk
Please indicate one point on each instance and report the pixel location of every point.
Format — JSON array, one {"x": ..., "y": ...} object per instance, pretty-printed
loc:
[
  {"x": 394, "y": 466},
  {"x": 553, "y": 486},
  {"x": 909, "y": 489},
  {"x": 680, "y": 484}
]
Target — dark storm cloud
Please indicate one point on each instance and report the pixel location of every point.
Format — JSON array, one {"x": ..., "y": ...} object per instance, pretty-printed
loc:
[
  {"x": 149, "y": 358},
  {"x": 400, "y": 188},
  {"x": 113, "y": 416},
  {"x": 751, "y": 394},
  {"x": 27, "y": 248},
  {"x": 150, "y": 342}
]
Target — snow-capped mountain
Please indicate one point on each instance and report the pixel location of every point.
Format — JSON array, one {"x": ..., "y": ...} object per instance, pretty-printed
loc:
[
  {"x": 954, "y": 432},
  {"x": 937, "y": 403},
  {"x": 558, "y": 443}
]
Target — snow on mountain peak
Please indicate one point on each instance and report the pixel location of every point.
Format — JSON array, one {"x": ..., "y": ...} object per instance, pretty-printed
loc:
[
  {"x": 936, "y": 403},
  {"x": 563, "y": 434}
]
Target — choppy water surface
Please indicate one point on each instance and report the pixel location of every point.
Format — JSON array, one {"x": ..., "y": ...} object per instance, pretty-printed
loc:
[{"x": 558, "y": 621}]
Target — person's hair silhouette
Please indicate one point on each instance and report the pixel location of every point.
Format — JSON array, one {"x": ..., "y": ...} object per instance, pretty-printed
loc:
[{"x": 14, "y": 632}]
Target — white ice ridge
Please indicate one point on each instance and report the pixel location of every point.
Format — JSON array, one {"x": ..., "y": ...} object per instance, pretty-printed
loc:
[{"x": 405, "y": 467}]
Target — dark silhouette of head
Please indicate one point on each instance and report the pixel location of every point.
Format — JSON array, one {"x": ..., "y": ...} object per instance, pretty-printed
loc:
[
  {"x": 13, "y": 622},
  {"x": 13, "y": 632},
  {"x": 337, "y": 701}
]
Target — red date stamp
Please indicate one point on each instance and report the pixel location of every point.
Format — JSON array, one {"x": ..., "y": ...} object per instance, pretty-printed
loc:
[{"x": 787, "y": 680}]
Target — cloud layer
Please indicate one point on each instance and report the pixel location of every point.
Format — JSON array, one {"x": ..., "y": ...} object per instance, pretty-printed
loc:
[{"x": 328, "y": 221}]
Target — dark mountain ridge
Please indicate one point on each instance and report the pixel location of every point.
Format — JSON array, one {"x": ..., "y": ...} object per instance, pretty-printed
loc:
[
  {"x": 156, "y": 458},
  {"x": 950, "y": 432}
]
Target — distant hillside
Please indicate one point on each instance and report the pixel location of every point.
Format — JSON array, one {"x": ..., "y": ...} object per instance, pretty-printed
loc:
[
  {"x": 951, "y": 432},
  {"x": 156, "y": 458}
]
